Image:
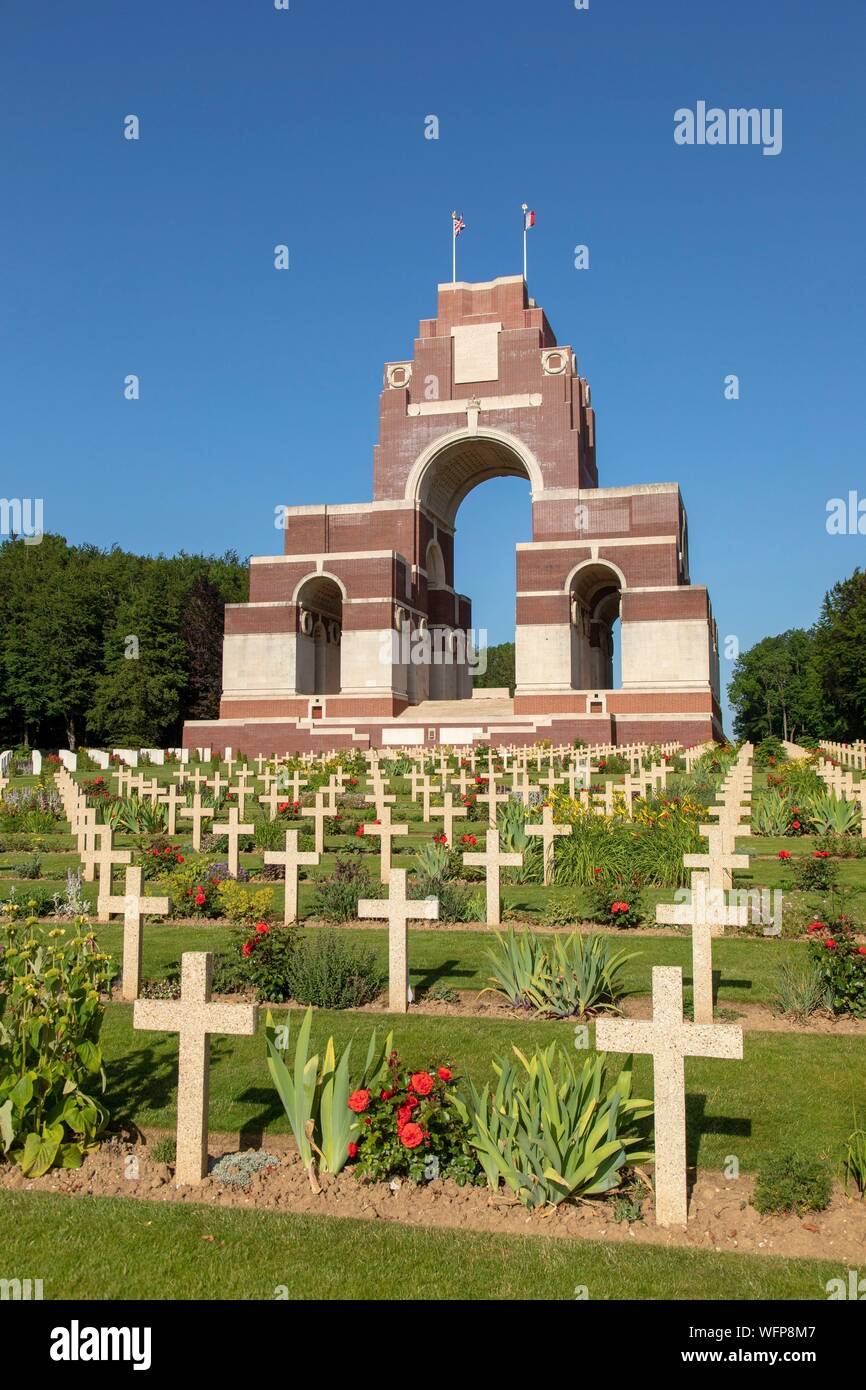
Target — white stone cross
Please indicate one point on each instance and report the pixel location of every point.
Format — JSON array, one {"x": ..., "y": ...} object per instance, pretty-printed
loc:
[
  {"x": 379, "y": 799},
  {"x": 493, "y": 798},
  {"x": 548, "y": 832},
  {"x": 492, "y": 860},
  {"x": 195, "y": 1019},
  {"x": 197, "y": 813},
  {"x": 398, "y": 910},
  {"x": 668, "y": 1039},
  {"x": 198, "y": 780},
  {"x": 718, "y": 861},
  {"x": 320, "y": 812},
  {"x": 708, "y": 913},
  {"x": 290, "y": 858},
  {"x": 103, "y": 859},
  {"x": 172, "y": 798},
  {"x": 134, "y": 907},
  {"x": 234, "y": 830},
  {"x": 386, "y": 832},
  {"x": 449, "y": 812},
  {"x": 273, "y": 798}
]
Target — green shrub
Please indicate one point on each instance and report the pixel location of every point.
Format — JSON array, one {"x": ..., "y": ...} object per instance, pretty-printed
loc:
[
  {"x": 557, "y": 976},
  {"x": 790, "y": 1182},
  {"x": 241, "y": 904},
  {"x": 842, "y": 846},
  {"x": 50, "y": 1059},
  {"x": 565, "y": 911},
  {"x": 769, "y": 753},
  {"x": 261, "y": 961},
  {"x": 829, "y": 815},
  {"x": 29, "y": 868},
  {"x": 412, "y": 1131},
  {"x": 771, "y": 814},
  {"x": 337, "y": 897},
  {"x": 331, "y": 972},
  {"x": 842, "y": 965},
  {"x": 550, "y": 1133},
  {"x": 814, "y": 873},
  {"x": 615, "y": 905},
  {"x": 854, "y": 1161},
  {"x": 596, "y": 842},
  {"x": 800, "y": 989},
  {"x": 164, "y": 1150}
]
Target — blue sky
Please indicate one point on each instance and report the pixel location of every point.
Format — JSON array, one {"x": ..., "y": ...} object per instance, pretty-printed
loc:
[{"x": 306, "y": 127}]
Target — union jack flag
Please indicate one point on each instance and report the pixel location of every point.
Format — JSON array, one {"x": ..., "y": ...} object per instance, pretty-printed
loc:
[{"x": 459, "y": 224}]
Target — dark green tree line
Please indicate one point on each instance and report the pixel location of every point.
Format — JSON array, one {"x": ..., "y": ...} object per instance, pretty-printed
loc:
[
  {"x": 808, "y": 681},
  {"x": 106, "y": 647}
]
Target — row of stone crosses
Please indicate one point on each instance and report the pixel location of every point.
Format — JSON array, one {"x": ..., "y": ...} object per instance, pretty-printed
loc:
[{"x": 667, "y": 1037}]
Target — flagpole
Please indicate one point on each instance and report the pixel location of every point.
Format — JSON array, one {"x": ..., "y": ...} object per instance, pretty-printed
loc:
[
  {"x": 525, "y": 209},
  {"x": 454, "y": 248}
]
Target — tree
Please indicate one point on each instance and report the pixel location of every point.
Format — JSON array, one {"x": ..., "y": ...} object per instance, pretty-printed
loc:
[
  {"x": 773, "y": 690},
  {"x": 500, "y": 671},
  {"x": 201, "y": 629},
  {"x": 840, "y": 658}
]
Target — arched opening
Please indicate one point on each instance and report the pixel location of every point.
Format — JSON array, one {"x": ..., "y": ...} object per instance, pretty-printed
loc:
[
  {"x": 594, "y": 591},
  {"x": 319, "y": 634},
  {"x": 471, "y": 560}
]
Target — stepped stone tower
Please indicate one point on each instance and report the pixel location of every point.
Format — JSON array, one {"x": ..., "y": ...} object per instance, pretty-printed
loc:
[{"x": 357, "y": 635}]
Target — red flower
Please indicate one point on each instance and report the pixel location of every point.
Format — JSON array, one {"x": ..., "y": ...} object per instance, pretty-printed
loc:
[
  {"x": 596, "y": 871},
  {"x": 283, "y": 806},
  {"x": 247, "y": 948},
  {"x": 784, "y": 854},
  {"x": 353, "y": 1150},
  {"x": 358, "y": 1101},
  {"x": 444, "y": 1074},
  {"x": 861, "y": 950},
  {"x": 404, "y": 1115},
  {"x": 830, "y": 944},
  {"x": 179, "y": 858},
  {"x": 821, "y": 854},
  {"x": 422, "y": 1082},
  {"x": 200, "y": 899},
  {"x": 385, "y": 1095},
  {"x": 262, "y": 928},
  {"x": 411, "y": 1136},
  {"x": 817, "y": 926},
  {"x": 359, "y": 831},
  {"x": 413, "y": 1102},
  {"x": 795, "y": 824}
]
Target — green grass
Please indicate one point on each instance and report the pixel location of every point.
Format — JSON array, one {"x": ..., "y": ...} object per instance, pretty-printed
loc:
[
  {"x": 169, "y": 1251},
  {"x": 787, "y": 1084},
  {"x": 747, "y": 967}
]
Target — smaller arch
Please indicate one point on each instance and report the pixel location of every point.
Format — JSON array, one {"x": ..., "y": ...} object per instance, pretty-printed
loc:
[
  {"x": 435, "y": 567},
  {"x": 594, "y": 589},
  {"x": 319, "y": 598},
  {"x": 598, "y": 564},
  {"x": 310, "y": 578}
]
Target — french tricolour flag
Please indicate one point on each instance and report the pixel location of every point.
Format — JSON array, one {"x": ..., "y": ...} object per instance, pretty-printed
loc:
[{"x": 528, "y": 220}]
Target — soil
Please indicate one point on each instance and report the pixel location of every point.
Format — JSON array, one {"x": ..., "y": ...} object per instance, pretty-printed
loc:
[{"x": 720, "y": 1214}]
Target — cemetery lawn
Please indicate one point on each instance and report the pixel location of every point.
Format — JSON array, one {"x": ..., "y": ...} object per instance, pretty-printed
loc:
[
  {"x": 112, "y": 1248},
  {"x": 788, "y": 1083},
  {"x": 747, "y": 967}
]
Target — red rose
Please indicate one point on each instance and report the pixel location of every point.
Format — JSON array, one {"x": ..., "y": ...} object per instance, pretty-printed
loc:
[
  {"x": 784, "y": 854},
  {"x": 353, "y": 1150},
  {"x": 179, "y": 858},
  {"x": 283, "y": 806},
  {"x": 861, "y": 950},
  {"x": 422, "y": 1082},
  {"x": 830, "y": 944},
  {"x": 385, "y": 1095},
  {"x": 262, "y": 928},
  {"x": 444, "y": 1074},
  {"x": 795, "y": 824},
  {"x": 358, "y": 1101},
  {"x": 413, "y": 1102},
  {"x": 404, "y": 1115},
  {"x": 247, "y": 948},
  {"x": 411, "y": 1136}
]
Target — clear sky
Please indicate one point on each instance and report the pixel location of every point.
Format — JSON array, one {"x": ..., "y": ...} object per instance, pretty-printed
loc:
[{"x": 306, "y": 127}]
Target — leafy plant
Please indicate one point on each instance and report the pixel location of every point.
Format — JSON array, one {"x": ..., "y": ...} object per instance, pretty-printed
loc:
[
  {"x": 549, "y": 1133},
  {"x": 241, "y": 904},
  {"x": 263, "y": 961},
  {"x": 791, "y": 1182},
  {"x": 854, "y": 1160},
  {"x": 164, "y": 1150},
  {"x": 332, "y": 973},
  {"x": 50, "y": 1058},
  {"x": 829, "y": 815},
  {"x": 412, "y": 1131},
  {"x": 315, "y": 1094},
  {"x": 842, "y": 966},
  {"x": 556, "y": 975},
  {"x": 800, "y": 989},
  {"x": 337, "y": 898},
  {"x": 615, "y": 905}
]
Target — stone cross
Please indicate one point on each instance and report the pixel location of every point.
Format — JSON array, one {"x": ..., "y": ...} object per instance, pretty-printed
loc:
[
  {"x": 493, "y": 799},
  {"x": 548, "y": 832},
  {"x": 273, "y": 798},
  {"x": 290, "y": 858},
  {"x": 707, "y": 914},
  {"x": 261, "y": 763},
  {"x": 234, "y": 830},
  {"x": 194, "y": 1018},
  {"x": 668, "y": 1039},
  {"x": 398, "y": 910},
  {"x": 449, "y": 812},
  {"x": 860, "y": 797},
  {"x": 218, "y": 784},
  {"x": 492, "y": 860},
  {"x": 197, "y": 813},
  {"x": 133, "y": 906},
  {"x": 103, "y": 858},
  {"x": 172, "y": 798},
  {"x": 319, "y": 813},
  {"x": 718, "y": 863},
  {"x": 386, "y": 832},
  {"x": 293, "y": 782},
  {"x": 198, "y": 780},
  {"x": 379, "y": 799},
  {"x": 241, "y": 792}
]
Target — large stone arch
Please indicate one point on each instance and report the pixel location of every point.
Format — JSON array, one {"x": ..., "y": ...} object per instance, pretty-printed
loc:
[{"x": 455, "y": 463}]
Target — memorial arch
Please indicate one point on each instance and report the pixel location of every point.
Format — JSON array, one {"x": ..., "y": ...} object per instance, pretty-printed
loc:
[{"x": 486, "y": 392}]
